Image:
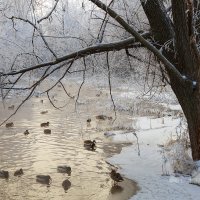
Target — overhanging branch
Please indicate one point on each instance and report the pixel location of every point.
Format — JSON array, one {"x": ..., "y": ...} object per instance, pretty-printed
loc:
[
  {"x": 141, "y": 39},
  {"x": 115, "y": 46}
]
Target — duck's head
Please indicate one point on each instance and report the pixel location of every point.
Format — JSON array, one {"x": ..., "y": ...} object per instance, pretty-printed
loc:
[{"x": 49, "y": 180}]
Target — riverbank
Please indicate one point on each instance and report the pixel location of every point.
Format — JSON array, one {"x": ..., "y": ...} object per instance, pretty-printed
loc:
[{"x": 147, "y": 168}]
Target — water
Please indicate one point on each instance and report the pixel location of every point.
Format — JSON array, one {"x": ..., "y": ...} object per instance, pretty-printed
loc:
[{"x": 38, "y": 153}]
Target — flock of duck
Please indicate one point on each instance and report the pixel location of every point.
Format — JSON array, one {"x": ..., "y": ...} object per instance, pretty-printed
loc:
[
  {"x": 46, "y": 179},
  {"x": 43, "y": 179},
  {"x": 66, "y": 184}
]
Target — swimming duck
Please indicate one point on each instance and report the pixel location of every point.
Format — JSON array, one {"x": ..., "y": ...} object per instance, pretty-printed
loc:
[
  {"x": 116, "y": 177},
  {"x": 26, "y": 132},
  {"x": 10, "y": 124},
  {"x": 19, "y": 172},
  {"x": 4, "y": 174},
  {"x": 89, "y": 144},
  {"x": 11, "y": 107},
  {"x": 44, "y": 112},
  {"x": 101, "y": 117},
  {"x": 64, "y": 169},
  {"x": 47, "y": 131},
  {"x": 89, "y": 120},
  {"x": 44, "y": 124},
  {"x": 44, "y": 179},
  {"x": 66, "y": 184}
]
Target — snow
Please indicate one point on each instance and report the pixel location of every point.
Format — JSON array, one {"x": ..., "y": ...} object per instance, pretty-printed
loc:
[{"x": 146, "y": 169}]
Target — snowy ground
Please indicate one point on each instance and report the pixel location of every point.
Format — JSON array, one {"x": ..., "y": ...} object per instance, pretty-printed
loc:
[{"x": 146, "y": 169}]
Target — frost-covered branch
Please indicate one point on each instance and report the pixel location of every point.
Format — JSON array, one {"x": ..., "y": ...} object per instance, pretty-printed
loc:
[
  {"x": 141, "y": 39},
  {"x": 50, "y": 13},
  {"x": 115, "y": 46},
  {"x": 38, "y": 30}
]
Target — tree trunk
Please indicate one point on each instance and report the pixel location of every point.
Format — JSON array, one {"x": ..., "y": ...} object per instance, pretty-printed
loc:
[{"x": 185, "y": 57}]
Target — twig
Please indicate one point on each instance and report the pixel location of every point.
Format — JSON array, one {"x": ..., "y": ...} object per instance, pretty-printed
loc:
[
  {"x": 49, "y": 14},
  {"x": 110, "y": 87},
  {"x": 83, "y": 81},
  {"x": 38, "y": 30}
]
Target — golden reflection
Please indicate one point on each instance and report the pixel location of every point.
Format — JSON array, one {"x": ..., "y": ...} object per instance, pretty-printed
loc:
[{"x": 40, "y": 155}]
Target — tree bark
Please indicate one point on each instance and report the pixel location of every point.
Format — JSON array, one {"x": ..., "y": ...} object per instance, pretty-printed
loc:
[
  {"x": 188, "y": 64},
  {"x": 185, "y": 57}
]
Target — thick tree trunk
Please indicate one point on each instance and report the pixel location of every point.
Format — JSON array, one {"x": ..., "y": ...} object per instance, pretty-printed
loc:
[
  {"x": 186, "y": 58},
  {"x": 188, "y": 64}
]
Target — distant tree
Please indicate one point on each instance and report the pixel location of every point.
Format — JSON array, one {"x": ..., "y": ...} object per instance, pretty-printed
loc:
[{"x": 173, "y": 38}]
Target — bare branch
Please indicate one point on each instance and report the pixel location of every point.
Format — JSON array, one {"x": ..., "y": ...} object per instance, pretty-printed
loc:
[
  {"x": 68, "y": 94},
  {"x": 141, "y": 39},
  {"x": 38, "y": 30},
  {"x": 66, "y": 71},
  {"x": 110, "y": 87},
  {"x": 83, "y": 81},
  {"x": 49, "y": 14},
  {"x": 52, "y": 102},
  {"x": 20, "y": 105},
  {"x": 115, "y": 46}
]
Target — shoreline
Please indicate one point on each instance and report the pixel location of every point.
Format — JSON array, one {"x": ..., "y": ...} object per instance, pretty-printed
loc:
[{"x": 146, "y": 169}]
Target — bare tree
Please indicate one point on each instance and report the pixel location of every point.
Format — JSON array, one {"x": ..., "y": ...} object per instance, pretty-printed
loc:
[{"x": 173, "y": 38}]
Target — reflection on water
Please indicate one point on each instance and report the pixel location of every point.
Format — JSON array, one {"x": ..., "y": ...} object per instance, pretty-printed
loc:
[{"x": 40, "y": 154}]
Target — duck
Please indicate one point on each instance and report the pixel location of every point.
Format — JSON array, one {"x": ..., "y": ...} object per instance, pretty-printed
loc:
[
  {"x": 101, "y": 117},
  {"x": 44, "y": 124},
  {"x": 47, "y": 131},
  {"x": 66, "y": 184},
  {"x": 4, "y": 174},
  {"x": 10, "y": 124},
  {"x": 64, "y": 169},
  {"x": 89, "y": 144},
  {"x": 11, "y": 107},
  {"x": 44, "y": 179},
  {"x": 99, "y": 94},
  {"x": 116, "y": 177},
  {"x": 26, "y": 132},
  {"x": 44, "y": 112},
  {"x": 19, "y": 172},
  {"x": 89, "y": 120}
]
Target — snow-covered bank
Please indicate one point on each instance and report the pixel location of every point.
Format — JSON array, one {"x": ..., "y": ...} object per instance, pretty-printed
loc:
[{"x": 147, "y": 169}]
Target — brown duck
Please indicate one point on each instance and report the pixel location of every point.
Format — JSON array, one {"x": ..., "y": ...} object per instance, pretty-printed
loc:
[
  {"x": 64, "y": 169},
  {"x": 44, "y": 179},
  {"x": 19, "y": 172},
  {"x": 4, "y": 174},
  {"x": 26, "y": 132},
  {"x": 44, "y": 112},
  {"x": 89, "y": 144},
  {"x": 116, "y": 177},
  {"x": 89, "y": 120},
  {"x": 45, "y": 124},
  {"x": 11, "y": 107},
  {"x": 101, "y": 117},
  {"x": 47, "y": 131},
  {"x": 10, "y": 124},
  {"x": 66, "y": 184}
]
